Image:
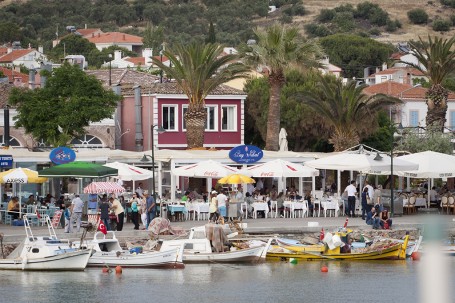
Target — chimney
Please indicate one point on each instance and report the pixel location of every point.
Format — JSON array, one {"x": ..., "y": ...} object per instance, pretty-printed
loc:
[
  {"x": 17, "y": 81},
  {"x": 85, "y": 25},
  {"x": 117, "y": 55},
  {"x": 384, "y": 66},
  {"x": 147, "y": 53},
  {"x": 40, "y": 49},
  {"x": 9, "y": 50},
  {"x": 31, "y": 79},
  {"x": 138, "y": 115}
]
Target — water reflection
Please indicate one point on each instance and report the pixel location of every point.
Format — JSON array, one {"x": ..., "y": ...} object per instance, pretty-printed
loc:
[{"x": 269, "y": 282}]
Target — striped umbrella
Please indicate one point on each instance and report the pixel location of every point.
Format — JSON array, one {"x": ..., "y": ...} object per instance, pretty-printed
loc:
[{"x": 103, "y": 187}]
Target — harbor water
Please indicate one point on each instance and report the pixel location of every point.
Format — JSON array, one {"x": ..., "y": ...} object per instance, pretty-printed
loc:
[{"x": 345, "y": 281}]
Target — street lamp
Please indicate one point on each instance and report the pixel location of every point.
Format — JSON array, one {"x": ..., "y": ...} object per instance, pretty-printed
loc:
[
  {"x": 160, "y": 130},
  {"x": 110, "y": 69},
  {"x": 392, "y": 180}
]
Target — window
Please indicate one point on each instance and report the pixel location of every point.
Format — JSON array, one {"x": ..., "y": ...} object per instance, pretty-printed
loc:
[
  {"x": 12, "y": 141},
  {"x": 210, "y": 124},
  {"x": 228, "y": 118},
  {"x": 452, "y": 120},
  {"x": 414, "y": 118},
  {"x": 87, "y": 141},
  {"x": 169, "y": 117}
]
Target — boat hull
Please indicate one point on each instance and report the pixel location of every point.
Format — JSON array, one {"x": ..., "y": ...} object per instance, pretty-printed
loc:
[
  {"x": 69, "y": 261},
  {"x": 159, "y": 259},
  {"x": 249, "y": 255}
]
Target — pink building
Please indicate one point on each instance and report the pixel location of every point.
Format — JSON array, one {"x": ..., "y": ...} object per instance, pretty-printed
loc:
[{"x": 162, "y": 104}]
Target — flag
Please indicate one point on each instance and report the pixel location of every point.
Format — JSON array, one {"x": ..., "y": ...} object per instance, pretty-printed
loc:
[
  {"x": 102, "y": 228},
  {"x": 37, "y": 214},
  {"x": 322, "y": 234}
]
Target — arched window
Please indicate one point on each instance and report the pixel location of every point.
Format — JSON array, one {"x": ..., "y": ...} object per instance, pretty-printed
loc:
[
  {"x": 12, "y": 141},
  {"x": 87, "y": 141}
]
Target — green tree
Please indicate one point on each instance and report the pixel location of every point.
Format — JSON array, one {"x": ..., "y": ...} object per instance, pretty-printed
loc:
[
  {"x": 153, "y": 37},
  {"x": 414, "y": 141},
  {"x": 278, "y": 48},
  {"x": 72, "y": 45},
  {"x": 62, "y": 109},
  {"x": 418, "y": 16},
  {"x": 198, "y": 69},
  {"x": 346, "y": 109},
  {"x": 437, "y": 62},
  {"x": 211, "y": 36}
]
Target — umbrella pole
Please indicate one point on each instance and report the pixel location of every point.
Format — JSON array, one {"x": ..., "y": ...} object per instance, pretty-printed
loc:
[{"x": 20, "y": 200}]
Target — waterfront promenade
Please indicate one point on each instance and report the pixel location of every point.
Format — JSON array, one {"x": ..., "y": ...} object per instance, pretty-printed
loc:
[{"x": 14, "y": 234}]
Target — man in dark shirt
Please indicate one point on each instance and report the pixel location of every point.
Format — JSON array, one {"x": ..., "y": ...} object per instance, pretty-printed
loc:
[{"x": 151, "y": 207}]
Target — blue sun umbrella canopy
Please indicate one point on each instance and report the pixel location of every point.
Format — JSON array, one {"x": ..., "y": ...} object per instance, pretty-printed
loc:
[{"x": 79, "y": 170}]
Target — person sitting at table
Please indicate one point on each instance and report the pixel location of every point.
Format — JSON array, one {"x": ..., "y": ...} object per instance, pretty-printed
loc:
[
  {"x": 13, "y": 208},
  {"x": 434, "y": 198},
  {"x": 185, "y": 196},
  {"x": 372, "y": 217},
  {"x": 31, "y": 200},
  {"x": 385, "y": 221}
]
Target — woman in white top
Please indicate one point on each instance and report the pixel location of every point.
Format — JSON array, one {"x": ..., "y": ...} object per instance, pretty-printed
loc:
[{"x": 213, "y": 208}]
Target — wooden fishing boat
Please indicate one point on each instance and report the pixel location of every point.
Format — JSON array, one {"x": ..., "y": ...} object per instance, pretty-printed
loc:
[
  {"x": 45, "y": 253},
  {"x": 108, "y": 252},
  {"x": 380, "y": 250}
]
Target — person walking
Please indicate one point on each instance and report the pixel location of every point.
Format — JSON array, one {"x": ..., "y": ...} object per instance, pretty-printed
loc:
[
  {"x": 151, "y": 208},
  {"x": 213, "y": 207},
  {"x": 364, "y": 202},
  {"x": 105, "y": 206},
  {"x": 351, "y": 191},
  {"x": 135, "y": 210},
  {"x": 119, "y": 212},
  {"x": 77, "y": 206},
  {"x": 222, "y": 202}
]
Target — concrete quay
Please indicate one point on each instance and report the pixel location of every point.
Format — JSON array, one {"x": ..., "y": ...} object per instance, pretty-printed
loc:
[{"x": 269, "y": 226}]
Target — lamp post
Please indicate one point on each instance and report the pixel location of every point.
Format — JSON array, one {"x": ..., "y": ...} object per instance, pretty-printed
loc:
[
  {"x": 110, "y": 69},
  {"x": 160, "y": 130},
  {"x": 392, "y": 179}
]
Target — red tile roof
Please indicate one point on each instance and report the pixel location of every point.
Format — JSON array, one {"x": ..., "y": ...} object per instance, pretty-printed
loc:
[
  {"x": 400, "y": 90},
  {"x": 396, "y": 56},
  {"x": 10, "y": 74},
  {"x": 392, "y": 70},
  {"x": 15, "y": 54},
  {"x": 163, "y": 58},
  {"x": 136, "y": 60},
  {"x": 115, "y": 37},
  {"x": 3, "y": 51},
  {"x": 86, "y": 32}
]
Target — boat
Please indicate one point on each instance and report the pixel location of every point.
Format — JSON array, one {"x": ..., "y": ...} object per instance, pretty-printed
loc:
[
  {"x": 201, "y": 250},
  {"x": 45, "y": 253},
  {"x": 384, "y": 249},
  {"x": 108, "y": 252}
]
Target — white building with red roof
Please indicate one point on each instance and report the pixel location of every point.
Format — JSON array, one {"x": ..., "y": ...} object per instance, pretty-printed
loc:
[
  {"x": 104, "y": 40},
  {"x": 29, "y": 58}
]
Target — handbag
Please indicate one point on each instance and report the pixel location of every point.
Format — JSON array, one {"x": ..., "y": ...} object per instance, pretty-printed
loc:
[
  {"x": 369, "y": 202},
  {"x": 386, "y": 225}
]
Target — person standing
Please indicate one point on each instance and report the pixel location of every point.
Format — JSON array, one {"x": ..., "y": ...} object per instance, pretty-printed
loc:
[
  {"x": 151, "y": 208},
  {"x": 377, "y": 197},
  {"x": 370, "y": 194},
  {"x": 351, "y": 191},
  {"x": 61, "y": 205},
  {"x": 135, "y": 210},
  {"x": 139, "y": 190},
  {"x": 104, "y": 208},
  {"x": 222, "y": 201},
  {"x": 119, "y": 212},
  {"x": 365, "y": 209},
  {"x": 67, "y": 218},
  {"x": 77, "y": 206},
  {"x": 213, "y": 208}
]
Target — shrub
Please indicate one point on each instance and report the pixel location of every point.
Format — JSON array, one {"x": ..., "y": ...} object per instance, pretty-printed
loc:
[
  {"x": 441, "y": 25},
  {"x": 391, "y": 26},
  {"x": 286, "y": 19},
  {"x": 326, "y": 15},
  {"x": 450, "y": 3},
  {"x": 452, "y": 18},
  {"x": 344, "y": 21},
  {"x": 315, "y": 30},
  {"x": 418, "y": 16},
  {"x": 379, "y": 18},
  {"x": 375, "y": 32}
]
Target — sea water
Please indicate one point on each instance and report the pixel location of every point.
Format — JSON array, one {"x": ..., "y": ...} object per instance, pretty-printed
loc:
[{"x": 345, "y": 281}]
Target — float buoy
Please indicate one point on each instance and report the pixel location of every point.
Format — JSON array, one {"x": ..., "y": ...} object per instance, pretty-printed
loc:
[
  {"x": 118, "y": 269},
  {"x": 324, "y": 269},
  {"x": 293, "y": 261},
  {"x": 105, "y": 270},
  {"x": 415, "y": 256}
]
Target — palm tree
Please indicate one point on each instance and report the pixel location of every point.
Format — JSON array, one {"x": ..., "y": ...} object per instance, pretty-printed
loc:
[
  {"x": 198, "y": 69},
  {"x": 277, "y": 49},
  {"x": 437, "y": 62},
  {"x": 349, "y": 112}
]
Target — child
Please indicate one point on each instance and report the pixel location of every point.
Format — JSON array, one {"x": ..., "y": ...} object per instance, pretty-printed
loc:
[{"x": 68, "y": 224}]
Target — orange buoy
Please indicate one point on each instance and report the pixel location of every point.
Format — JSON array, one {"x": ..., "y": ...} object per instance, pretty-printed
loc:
[
  {"x": 324, "y": 269},
  {"x": 105, "y": 269},
  {"x": 415, "y": 256},
  {"x": 118, "y": 269}
]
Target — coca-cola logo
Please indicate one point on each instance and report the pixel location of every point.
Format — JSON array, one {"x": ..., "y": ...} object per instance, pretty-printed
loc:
[
  {"x": 211, "y": 174},
  {"x": 269, "y": 174},
  {"x": 246, "y": 154}
]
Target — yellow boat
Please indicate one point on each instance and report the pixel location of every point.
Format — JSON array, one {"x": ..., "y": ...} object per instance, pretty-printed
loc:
[{"x": 381, "y": 250}]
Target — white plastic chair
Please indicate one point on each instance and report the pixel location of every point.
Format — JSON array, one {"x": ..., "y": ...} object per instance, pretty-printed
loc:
[{"x": 273, "y": 209}]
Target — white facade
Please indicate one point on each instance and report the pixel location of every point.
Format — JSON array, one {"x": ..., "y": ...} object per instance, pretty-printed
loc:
[{"x": 413, "y": 113}]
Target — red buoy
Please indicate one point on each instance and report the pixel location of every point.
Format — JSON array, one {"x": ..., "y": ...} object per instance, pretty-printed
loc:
[
  {"x": 105, "y": 269},
  {"x": 118, "y": 269},
  {"x": 415, "y": 256},
  {"x": 324, "y": 269}
]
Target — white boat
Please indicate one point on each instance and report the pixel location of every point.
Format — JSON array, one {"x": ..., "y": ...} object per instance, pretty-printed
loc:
[
  {"x": 200, "y": 251},
  {"x": 46, "y": 253},
  {"x": 108, "y": 252}
]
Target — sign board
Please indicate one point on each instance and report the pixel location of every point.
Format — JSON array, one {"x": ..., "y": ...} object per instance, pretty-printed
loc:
[
  {"x": 6, "y": 161},
  {"x": 62, "y": 155},
  {"x": 246, "y": 154}
]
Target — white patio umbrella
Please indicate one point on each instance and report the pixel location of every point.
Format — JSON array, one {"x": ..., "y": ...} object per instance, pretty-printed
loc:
[
  {"x": 205, "y": 169},
  {"x": 431, "y": 165},
  {"x": 282, "y": 139},
  {"x": 128, "y": 172},
  {"x": 280, "y": 168}
]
